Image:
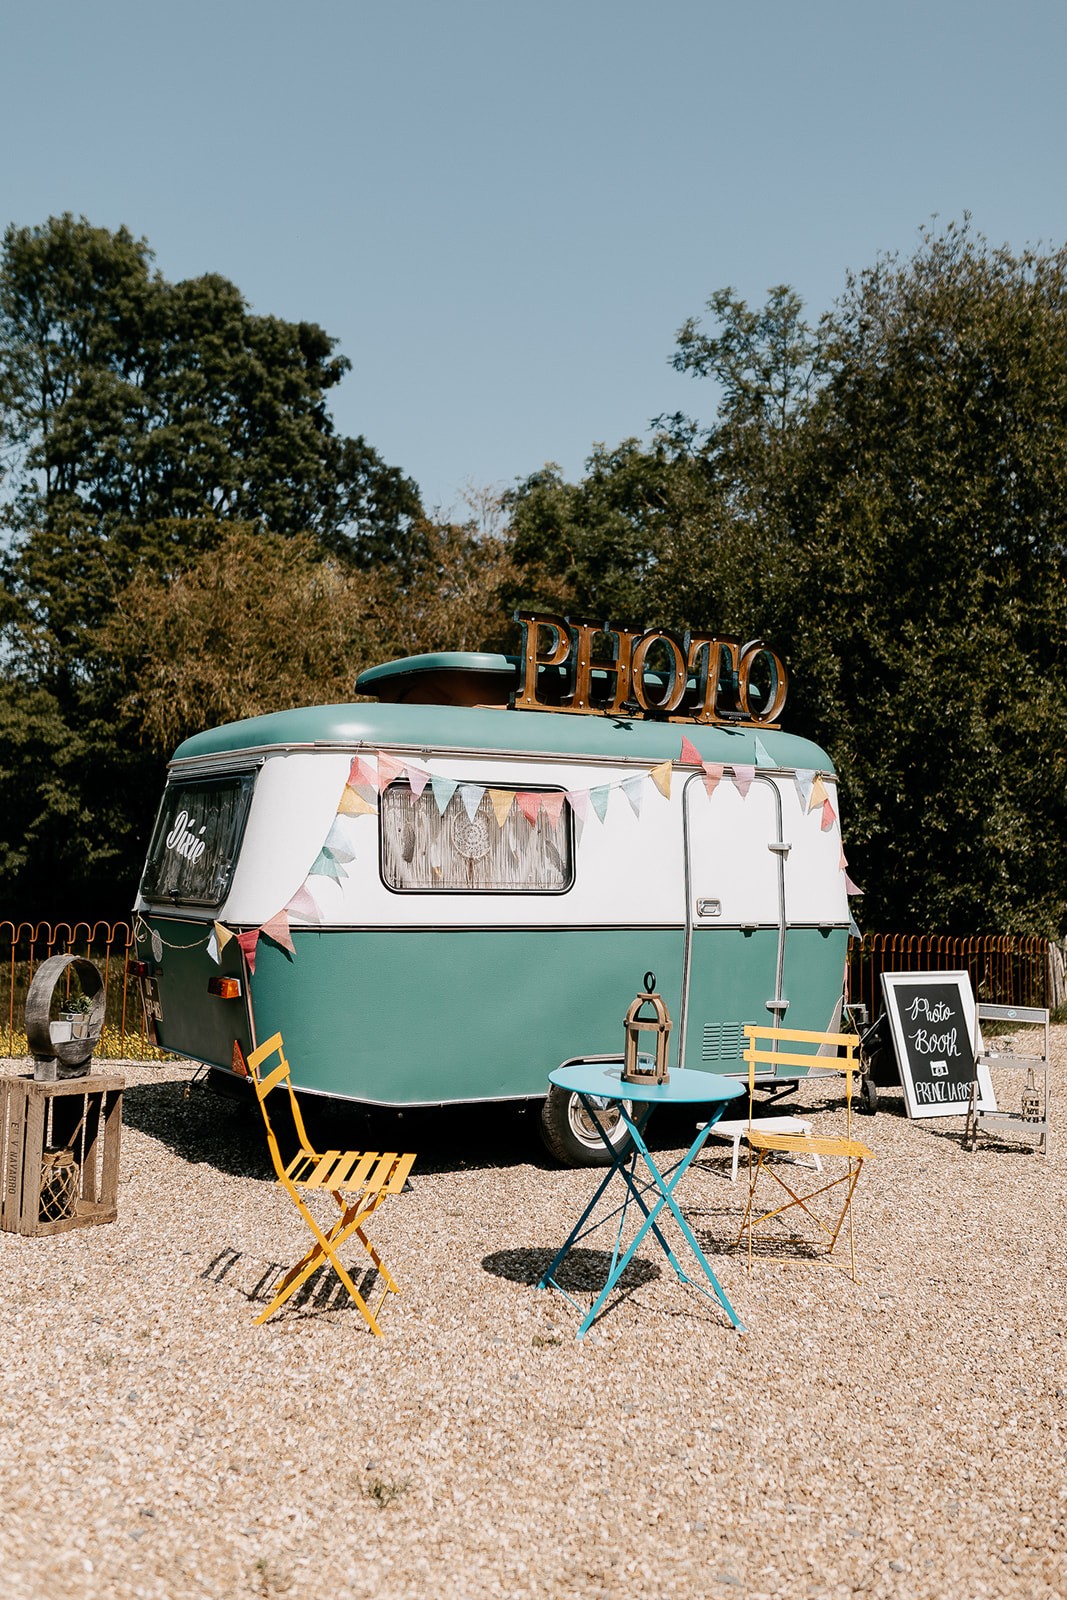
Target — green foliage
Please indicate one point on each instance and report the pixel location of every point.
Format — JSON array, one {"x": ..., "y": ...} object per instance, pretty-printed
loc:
[
  {"x": 923, "y": 597},
  {"x": 142, "y": 414},
  {"x": 883, "y": 497}
]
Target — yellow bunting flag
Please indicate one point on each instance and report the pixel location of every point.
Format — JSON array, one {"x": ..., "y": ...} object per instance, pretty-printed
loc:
[
  {"x": 661, "y": 777},
  {"x": 501, "y": 801},
  {"x": 354, "y": 805},
  {"x": 818, "y": 796},
  {"x": 222, "y": 936}
]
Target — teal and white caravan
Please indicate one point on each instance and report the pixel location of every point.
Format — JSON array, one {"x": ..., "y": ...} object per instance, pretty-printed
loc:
[{"x": 439, "y": 897}]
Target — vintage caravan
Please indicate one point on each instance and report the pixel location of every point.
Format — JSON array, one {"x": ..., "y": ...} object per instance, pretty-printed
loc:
[{"x": 440, "y": 896}]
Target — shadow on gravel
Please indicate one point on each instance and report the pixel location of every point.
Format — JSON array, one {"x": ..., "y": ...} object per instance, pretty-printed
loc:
[
  {"x": 583, "y": 1270},
  {"x": 255, "y": 1280},
  {"x": 225, "y": 1130}
]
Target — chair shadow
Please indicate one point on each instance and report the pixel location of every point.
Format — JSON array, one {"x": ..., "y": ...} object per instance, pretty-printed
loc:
[
  {"x": 581, "y": 1271},
  {"x": 254, "y": 1280}
]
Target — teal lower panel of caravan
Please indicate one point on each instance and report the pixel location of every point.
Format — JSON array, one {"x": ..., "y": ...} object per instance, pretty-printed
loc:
[
  {"x": 409, "y": 1018},
  {"x": 196, "y": 1023},
  {"x": 733, "y": 975},
  {"x": 428, "y": 1017}
]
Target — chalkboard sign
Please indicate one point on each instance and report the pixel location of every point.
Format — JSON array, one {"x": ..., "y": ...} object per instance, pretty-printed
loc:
[{"x": 932, "y": 1019}]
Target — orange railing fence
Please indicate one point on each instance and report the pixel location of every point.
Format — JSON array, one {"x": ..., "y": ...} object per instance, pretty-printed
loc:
[
  {"x": 1005, "y": 969},
  {"x": 24, "y": 945}
]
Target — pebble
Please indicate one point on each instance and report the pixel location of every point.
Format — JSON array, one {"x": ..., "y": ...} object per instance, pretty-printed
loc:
[{"x": 903, "y": 1436}]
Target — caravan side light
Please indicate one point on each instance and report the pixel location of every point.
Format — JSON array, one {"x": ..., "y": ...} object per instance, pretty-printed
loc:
[{"x": 225, "y": 988}]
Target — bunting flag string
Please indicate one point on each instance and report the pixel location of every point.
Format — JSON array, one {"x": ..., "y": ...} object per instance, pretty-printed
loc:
[{"x": 371, "y": 774}]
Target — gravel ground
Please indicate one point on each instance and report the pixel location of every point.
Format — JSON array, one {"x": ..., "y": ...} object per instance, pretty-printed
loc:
[{"x": 906, "y": 1436}]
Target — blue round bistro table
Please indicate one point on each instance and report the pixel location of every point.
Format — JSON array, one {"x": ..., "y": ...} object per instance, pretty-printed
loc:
[{"x": 598, "y": 1084}]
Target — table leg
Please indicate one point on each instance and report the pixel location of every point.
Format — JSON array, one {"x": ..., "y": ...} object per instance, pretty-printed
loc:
[{"x": 634, "y": 1191}]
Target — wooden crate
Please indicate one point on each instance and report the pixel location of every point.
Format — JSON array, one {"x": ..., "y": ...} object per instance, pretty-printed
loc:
[{"x": 59, "y": 1152}]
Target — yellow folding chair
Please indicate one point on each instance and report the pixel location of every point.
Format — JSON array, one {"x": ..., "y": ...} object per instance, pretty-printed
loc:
[
  {"x": 358, "y": 1181},
  {"x": 765, "y": 1048}
]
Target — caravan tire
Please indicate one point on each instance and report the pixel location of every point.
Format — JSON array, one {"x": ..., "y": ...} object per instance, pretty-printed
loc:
[{"x": 569, "y": 1134}]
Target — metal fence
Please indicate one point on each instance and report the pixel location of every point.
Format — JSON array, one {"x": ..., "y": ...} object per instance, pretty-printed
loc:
[
  {"x": 1005, "y": 969},
  {"x": 24, "y": 945}
]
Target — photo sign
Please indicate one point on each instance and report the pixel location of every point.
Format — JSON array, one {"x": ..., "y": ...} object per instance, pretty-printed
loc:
[{"x": 932, "y": 1019}]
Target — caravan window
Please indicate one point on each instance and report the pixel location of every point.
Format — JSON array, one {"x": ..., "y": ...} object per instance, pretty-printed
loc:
[
  {"x": 423, "y": 849},
  {"x": 197, "y": 836}
]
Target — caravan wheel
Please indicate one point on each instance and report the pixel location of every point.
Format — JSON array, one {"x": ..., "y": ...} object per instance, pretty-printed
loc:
[{"x": 570, "y": 1134}]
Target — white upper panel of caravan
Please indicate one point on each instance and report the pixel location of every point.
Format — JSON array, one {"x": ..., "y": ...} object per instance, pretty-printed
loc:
[{"x": 628, "y": 871}]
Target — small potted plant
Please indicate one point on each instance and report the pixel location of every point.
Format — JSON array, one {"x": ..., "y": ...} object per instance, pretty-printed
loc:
[{"x": 73, "y": 1013}]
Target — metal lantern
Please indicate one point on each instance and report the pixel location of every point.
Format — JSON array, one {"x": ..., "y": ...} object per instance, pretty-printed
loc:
[{"x": 647, "y": 1038}]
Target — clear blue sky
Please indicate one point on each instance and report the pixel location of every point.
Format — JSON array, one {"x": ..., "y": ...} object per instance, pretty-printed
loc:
[{"x": 504, "y": 211}]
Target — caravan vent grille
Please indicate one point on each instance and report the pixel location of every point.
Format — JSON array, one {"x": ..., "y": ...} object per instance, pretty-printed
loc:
[{"x": 723, "y": 1041}]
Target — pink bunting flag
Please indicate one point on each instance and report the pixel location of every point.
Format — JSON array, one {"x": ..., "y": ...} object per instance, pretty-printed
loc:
[
  {"x": 303, "y": 904},
  {"x": 418, "y": 777},
  {"x": 661, "y": 777},
  {"x": 277, "y": 928},
  {"x": 829, "y": 816},
  {"x": 248, "y": 942},
  {"x": 389, "y": 770},
  {"x": 578, "y": 800},
  {"x": 529, "y": 803},
  {"x": 743, "y": 776},
  {"x": 690, "y": 756},
  {"x": 712, "y": 775},
  {"x": 361, "y": 775},
  {"x": 552, "y": 806},
  {"x": 850, "y": 887}
]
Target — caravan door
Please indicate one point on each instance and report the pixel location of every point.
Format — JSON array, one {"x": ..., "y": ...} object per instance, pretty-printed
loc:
[{"x": 735, "y": 918}]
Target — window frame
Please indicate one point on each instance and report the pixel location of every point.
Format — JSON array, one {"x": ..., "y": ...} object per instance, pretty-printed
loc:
[
  {"x": 245, "y": 778},
  {"x": 401, "y": 784}
]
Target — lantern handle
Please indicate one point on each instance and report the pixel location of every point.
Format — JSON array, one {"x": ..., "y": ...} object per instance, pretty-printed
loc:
[{"x": 650, "y": 982}]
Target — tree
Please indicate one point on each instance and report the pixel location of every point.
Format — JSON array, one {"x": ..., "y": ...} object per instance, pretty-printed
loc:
[
  {"x": 138, "y": 415},
  {"x": 257, "y": 623},
  {"x": 924, "y": 586}
]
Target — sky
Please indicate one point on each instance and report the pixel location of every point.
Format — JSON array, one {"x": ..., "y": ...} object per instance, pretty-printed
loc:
[{"x": 502, "y": 212}]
